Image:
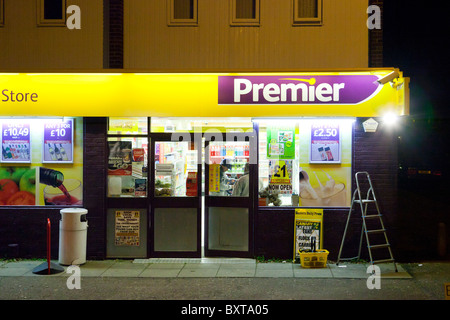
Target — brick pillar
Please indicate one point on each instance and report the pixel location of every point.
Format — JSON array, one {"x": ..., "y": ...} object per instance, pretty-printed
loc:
[
  {"x": 94, "y": 181},
  {"x": 113, "y": 34},
  {"x": 377, "y": 153},
  {"x": 376, "y": 40}
]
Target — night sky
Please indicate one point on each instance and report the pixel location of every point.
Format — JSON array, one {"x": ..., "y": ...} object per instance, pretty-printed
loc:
[{"x": 416, "y": 40}]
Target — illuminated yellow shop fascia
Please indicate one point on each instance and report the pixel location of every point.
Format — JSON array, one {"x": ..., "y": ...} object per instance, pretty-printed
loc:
[{"x": 175, "y": 95}]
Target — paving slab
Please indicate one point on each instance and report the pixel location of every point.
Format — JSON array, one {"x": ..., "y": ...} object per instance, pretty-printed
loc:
[
  {"x": 235, "y": 272},
  {"x": 274, "y": 273},
  {"x": 349, "y": 271},
  {"x": 274, "y": 266},
  {"x": 165, "y": 266},
  {"x": 124, "y": 269},
  {"x": 206, "y": 270},
  {"x": 160, "y": 273},
  {"x": 300, "y": 272}
]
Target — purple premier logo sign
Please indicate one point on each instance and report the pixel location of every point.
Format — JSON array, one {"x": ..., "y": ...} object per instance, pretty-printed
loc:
[{"x": 277, "y": 90}]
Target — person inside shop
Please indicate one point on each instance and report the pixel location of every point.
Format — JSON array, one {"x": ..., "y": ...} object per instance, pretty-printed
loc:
[
  {"x": 242, "y": 186},
  {"x": 225, "y": 181}
]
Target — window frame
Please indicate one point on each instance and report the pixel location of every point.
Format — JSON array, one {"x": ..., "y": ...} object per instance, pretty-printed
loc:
[
  {"x": 172, "y": 22},
  {"x": 2, "y": 13},
  {"x": 235, "y": 22},
  {"x": 42, "y": 22},
  {"x": 311, "y": 21}
]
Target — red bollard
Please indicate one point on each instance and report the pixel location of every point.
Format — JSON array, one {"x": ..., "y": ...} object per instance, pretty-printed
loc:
[
  {"x": 48, "y": 267},
  {"x": 48, "y": 244}
]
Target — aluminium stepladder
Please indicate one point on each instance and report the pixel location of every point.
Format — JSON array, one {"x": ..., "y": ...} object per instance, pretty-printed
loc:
[{"x": 363, "y": 204}]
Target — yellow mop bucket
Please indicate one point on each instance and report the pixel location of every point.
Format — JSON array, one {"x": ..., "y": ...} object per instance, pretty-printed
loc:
[{"x": 317, "y": 259}]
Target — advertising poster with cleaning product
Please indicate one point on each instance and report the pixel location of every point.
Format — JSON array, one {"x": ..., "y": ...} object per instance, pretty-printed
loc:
[
  {"x": 325, "y": 143},
  {"x": 38, "y": 183}
]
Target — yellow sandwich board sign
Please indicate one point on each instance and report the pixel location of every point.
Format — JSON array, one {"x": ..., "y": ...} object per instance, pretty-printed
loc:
[{"x": 308, "y": 228}]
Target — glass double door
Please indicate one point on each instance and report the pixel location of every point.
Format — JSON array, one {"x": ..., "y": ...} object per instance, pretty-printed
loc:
[{"x": 198, "y": 199}]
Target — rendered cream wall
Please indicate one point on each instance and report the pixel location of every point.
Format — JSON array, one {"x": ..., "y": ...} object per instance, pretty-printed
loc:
[
  {"x": 24, "y": 45},
  {"x": 341, "y": 42}
]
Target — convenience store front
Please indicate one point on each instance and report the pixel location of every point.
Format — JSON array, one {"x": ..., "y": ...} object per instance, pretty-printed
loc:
[{"x": 189, "y": 165}]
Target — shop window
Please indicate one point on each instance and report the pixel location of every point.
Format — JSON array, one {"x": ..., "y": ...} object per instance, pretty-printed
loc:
[
  {"x": 41, "y": 163},
  {"x": 182, "y": 12},
  {"x": 305, "y": 162},
  {"x": 51, "y": 12},
  {"x": 2, "y": 13},
  {"x": 127, "y": 157},
  {"x": 127, "y": 167},
  {"x": 307, "y": 12},
  {"x": 244, "y": 12}
]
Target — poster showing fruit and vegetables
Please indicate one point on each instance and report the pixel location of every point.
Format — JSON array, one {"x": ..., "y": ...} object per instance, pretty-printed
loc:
[{"x": 17, "y": 186}]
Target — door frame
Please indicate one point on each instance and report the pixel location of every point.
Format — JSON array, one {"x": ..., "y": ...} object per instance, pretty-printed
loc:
[
  {"x": 124, "y": 203},
  {"x": 233, "y": 202},
  {"x": 172, "y": 202}
]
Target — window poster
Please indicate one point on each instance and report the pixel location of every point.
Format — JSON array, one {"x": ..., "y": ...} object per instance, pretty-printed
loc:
[
  {"x": 18, "y": 186},
  {"x": 325, "y": 143},
  {"x": 123, "y": 124},
  {"x": 214, "y": 178},
  {"x": 58, "y": 141},
  {"x": 16, "y": 141},
  {"x": 281, "y": 142},
  {"x": 280, "y": 176},
  {"x": 119, "y": 160},
  {"x": 127, "y": 227}
]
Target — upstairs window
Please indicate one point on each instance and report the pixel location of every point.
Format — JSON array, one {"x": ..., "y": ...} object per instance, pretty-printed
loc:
[
  {"x": 244, "y": 12},
  {"x": 51, "y": 12},
  {"x": 307, "y": 12},
  {"x": 2, "y": 13},
  {"x": 182, "y": 12}
]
